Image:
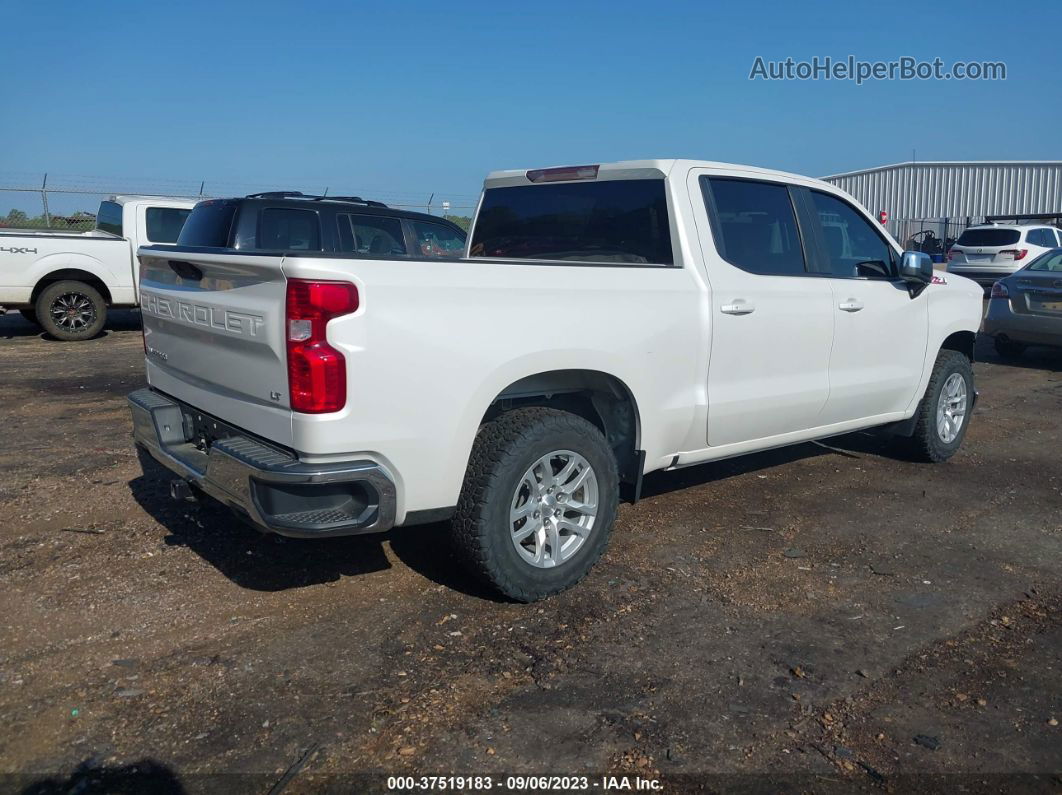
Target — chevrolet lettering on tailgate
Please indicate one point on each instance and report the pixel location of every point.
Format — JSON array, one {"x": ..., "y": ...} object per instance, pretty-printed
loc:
[{"x": 199, "y": 315}]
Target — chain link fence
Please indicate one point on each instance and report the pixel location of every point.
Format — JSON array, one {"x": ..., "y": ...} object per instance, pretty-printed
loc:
[{"x": 66, "y": 202}]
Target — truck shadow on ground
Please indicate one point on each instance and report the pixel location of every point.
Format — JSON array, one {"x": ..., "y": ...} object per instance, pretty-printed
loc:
[
  {"x": 90, "y": 778},
  {"x": 264, "y": 562}
]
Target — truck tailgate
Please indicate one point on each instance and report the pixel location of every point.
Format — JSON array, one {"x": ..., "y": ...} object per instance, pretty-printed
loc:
[{"x": 213, "y": 335}]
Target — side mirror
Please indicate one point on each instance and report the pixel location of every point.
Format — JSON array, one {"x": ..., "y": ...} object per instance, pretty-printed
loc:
[{"x": 916, "y": 266}]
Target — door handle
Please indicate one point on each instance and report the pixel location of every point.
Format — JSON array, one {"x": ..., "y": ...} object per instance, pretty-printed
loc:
[
  {"x": 851, "y": 305},
  {"x": 739, "y": 307}
]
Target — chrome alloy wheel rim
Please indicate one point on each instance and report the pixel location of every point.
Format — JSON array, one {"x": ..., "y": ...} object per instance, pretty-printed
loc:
[
  {"x": 951, "y": 408},
  {"x": 553, "y": 509},
  {"x": 73, "y": 312}
]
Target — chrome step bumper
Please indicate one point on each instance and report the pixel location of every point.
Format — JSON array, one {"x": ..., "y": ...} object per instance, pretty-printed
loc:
[{"x": 271, "y": 487}]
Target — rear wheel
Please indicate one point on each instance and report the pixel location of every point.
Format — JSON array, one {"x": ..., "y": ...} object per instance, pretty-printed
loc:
[
  {"x": 944, "y": 413},
  {"x": 538, "y": 502},
  {"x": 1008, "y": 349},
  {"x": 71, "y": 311}
]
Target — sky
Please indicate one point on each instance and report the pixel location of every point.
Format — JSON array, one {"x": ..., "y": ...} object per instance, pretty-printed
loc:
[{"x": 399, "y": 100}]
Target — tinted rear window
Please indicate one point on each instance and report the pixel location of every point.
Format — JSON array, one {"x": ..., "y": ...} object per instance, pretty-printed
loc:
[
  {"x": 208, "y": 225},
  {"x": 109, "y": 218},
  {"x": 164, "y": 223},
  {"x": 285, "y": 229},
  {"x": 623, "y": 221},
  {"x": 989, "y": 237}
]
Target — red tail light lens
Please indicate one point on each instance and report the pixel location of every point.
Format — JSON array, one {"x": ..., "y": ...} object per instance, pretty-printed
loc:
[
  {"x": 999, "y": 290},
  {"x": 952, "y": 253},
  {"x": 1017, "y": 253},
  {"x": 317, "y": 372}
]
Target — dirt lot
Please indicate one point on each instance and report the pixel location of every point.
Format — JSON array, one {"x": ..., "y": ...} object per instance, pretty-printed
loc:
[{"x": 805, "y": 614}]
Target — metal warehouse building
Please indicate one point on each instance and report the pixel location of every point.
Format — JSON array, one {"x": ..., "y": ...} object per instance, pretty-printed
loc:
[{"x": 947, "y": 196}]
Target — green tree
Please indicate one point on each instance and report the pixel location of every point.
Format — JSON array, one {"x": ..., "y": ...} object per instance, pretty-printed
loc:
[
  {"x": 462, "y": 221},
  {"x": 16, "y": 218}
]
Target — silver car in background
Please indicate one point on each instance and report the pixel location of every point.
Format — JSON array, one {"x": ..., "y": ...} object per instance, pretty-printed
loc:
[{"x": 1026, "y": 307}]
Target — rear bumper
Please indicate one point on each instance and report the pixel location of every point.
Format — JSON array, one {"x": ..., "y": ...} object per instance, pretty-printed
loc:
[
  {"x": 985, "y": 277},
  {"x": 272, "y": 488},
  {"x": 1003, "y": 322}
]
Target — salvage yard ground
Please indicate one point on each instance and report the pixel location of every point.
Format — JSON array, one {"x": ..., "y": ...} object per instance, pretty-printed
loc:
[{"x": 826, "y": 612}]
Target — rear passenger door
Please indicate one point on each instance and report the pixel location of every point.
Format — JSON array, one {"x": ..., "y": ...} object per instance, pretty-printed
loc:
[
  {"x": 881, "y": 332},
  {"x": 771, "y": 322}
]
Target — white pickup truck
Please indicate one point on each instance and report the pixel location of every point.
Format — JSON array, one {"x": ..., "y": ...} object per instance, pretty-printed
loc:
[
  {"x": 606, "y": 321},
  {"x": 66, "y": 282}
]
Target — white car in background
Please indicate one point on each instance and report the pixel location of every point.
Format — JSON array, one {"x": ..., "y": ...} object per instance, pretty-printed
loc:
[{"x": 991, "y": 252}]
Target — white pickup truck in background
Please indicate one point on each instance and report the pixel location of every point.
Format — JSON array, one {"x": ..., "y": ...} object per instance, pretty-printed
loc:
[
  {"x": 66, "y": 282},
  {"x": 607, "y": 321}
]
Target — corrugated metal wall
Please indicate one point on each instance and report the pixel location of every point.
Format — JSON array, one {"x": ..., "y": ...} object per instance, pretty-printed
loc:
[{"x": 956, "y": 190}]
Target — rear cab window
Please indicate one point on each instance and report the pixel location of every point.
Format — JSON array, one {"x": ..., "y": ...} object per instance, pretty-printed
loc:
[
  {"x": 622, "y": 221},
  {"x": 989, "y": 238},
  {"x": 109, "y": 218},
  {"x": 164, "y": 224}
]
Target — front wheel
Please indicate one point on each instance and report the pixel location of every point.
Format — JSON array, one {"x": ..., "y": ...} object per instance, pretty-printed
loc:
[
  {"x": 538, "y": 502},
  {"x": 71, "y": 311},
  {"x": 944, "y": 413}
]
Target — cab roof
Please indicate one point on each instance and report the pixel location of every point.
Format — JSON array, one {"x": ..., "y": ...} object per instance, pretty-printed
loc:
[{"x": 648, "y": 169}]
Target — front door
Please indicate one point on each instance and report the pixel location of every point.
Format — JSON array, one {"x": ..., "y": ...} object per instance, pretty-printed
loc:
[{"x": 880, "y": 331}]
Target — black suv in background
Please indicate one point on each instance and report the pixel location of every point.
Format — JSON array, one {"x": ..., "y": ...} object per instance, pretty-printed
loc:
[{"x": 290, "y": 221}]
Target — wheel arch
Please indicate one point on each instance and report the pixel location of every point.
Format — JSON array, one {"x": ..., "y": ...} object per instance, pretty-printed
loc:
[
  {"x": 74, "y": 275},
  {"x": 599, "y": 397},
  {"x": 961, "y": 341}
]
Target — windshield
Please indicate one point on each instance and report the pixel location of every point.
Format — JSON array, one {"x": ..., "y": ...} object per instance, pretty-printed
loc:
[
  {"x": 622, "y": 221},
  {"x": 1051, "y": 261},
  {"x": 989, "y": 237}
]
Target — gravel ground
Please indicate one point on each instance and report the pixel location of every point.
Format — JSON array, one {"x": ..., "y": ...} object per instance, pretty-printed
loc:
[{"x": 827, "y": 616}]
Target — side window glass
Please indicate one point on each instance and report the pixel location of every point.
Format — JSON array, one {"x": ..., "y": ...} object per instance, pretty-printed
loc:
[
  {"x": 372, "y": 234},
  {"x": 754, "y": 225},
  {"x": 436, "y": 240},
  {"x": 164, "y": 224},
  {"x": 285, "y": 229},
  {"x": 1032, "y": 237},
  {"x": 854, "y": 247}
]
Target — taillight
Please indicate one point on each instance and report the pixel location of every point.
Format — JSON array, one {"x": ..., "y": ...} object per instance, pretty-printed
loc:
[
  {"x": 317, "y": 372},
  {"x": 952, "y": 253},
  {"x": 999, "y": 290},
  {"x": 1017, "y": 253}
]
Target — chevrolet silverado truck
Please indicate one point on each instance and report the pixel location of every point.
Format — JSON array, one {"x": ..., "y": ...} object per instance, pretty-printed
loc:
[
  {"x": 65, "y": 282},
  {"x": 605, "y": 322}
]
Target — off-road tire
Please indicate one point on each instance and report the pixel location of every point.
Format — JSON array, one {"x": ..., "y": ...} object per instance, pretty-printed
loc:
[
  {"x": 54, "y": 292},
  {"x": 1008, "y": 349},
  {"x": 30, "y": 315},
  {"x": 926, "y": 444},
  {"x": 504, "y": 449}
]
